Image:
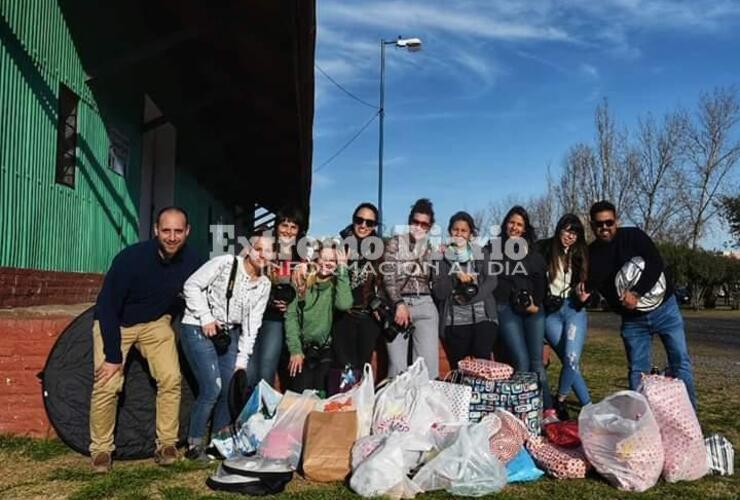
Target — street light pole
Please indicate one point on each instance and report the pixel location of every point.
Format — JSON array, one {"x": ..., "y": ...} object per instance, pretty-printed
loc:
[{"x": 412, "y": 44}]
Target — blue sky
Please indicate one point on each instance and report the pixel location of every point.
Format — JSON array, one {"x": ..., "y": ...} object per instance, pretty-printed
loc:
[{"x": 500, "y": 91}]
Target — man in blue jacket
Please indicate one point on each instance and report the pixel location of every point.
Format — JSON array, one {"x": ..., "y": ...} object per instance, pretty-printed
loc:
[
  {"x": 628, "y": 270},
  {"x": 140, "y": 295}
]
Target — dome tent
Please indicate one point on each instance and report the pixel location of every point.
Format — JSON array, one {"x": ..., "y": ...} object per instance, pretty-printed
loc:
[{"x": 67, "y": 381}]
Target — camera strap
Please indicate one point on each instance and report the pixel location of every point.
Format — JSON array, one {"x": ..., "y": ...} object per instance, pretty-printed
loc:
[{"x": 230, "y": 287}]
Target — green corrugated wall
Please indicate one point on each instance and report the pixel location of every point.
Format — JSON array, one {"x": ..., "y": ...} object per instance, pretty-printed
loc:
[{"x": 45, "y": 225}]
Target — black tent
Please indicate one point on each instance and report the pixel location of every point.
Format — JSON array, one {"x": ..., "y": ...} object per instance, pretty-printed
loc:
[{"x": 67, "y": 384}]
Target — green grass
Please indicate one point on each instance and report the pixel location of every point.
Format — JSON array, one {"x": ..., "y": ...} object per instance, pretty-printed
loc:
[
  {"x": 35, "y": 449},
  {"x": 45, "y": 468}
]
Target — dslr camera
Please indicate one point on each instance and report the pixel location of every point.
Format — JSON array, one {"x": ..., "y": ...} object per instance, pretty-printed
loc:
[
  {"x": 283, "y": 292},
  {"x": 520, "y": 300},
  {"x": 386, "y": 318},
  {"x": 463, "y": 293}
]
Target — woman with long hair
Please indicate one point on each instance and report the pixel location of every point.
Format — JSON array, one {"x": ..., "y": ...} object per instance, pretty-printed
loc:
[
  {"x": 289, "y": 226},
  {"x": 356, "y": 330},
  {"x": 463, "y": 288},
  {"x": 225, "y": 300},
  {"x": 566, "y": 255},
  {"x": 520, "y": 294},
  {"x": 309, "y": 320}
]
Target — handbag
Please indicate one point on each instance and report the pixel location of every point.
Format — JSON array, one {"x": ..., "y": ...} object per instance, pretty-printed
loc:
[{"x": 457, "y": 395}]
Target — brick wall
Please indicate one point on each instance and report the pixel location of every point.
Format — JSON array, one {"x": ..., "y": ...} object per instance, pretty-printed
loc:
[
  {"x": 31, "y": 287},
  {"x": 25, "y": 342}
]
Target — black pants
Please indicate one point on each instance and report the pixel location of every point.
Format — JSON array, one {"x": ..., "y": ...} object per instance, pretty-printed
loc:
[
  {"x": 354, "y": 339},
  {"x": 313, "y": 376},
  {"x": 470, "y": 340}
]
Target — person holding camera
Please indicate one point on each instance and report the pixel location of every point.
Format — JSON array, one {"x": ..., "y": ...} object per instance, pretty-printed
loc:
[
  {"x": 309, "y": 320},
  {"x": 519, "y": 296},
  {"x": 356, "y": 330},
  {"x": 135, "y": 307},
  {"x": 225, "y": 300},
  {"x": 407, "y": 279},
  {"x": 268, "y": 348},
  {"x": 463, "y": 288},
  {"x": 566, "y": 325}
]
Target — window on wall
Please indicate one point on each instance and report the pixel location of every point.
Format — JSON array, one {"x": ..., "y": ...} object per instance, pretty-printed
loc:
[{"x": 66, "y": 136}]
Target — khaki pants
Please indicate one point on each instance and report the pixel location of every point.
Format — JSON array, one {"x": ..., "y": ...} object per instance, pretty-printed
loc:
[{"x": 156, "y": 343}]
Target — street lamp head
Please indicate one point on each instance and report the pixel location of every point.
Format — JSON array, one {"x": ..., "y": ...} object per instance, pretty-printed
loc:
[{"x": 412, "y": 44}]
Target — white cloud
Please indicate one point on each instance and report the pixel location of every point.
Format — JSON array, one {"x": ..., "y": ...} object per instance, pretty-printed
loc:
[{"x": 589, "y": 70}]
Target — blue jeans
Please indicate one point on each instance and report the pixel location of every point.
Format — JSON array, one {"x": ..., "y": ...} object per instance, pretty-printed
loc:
[
  {"x": 524, "y": 339},
  {"x": 263, "y": 363},
  {"x": 565, "y": 331},
  {"x": 213, "y": 374},
  {"x": 637, "y": 335}
]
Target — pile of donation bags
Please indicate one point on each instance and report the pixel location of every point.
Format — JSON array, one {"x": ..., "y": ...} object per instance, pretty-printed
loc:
[{"x": 468, "y": 438}]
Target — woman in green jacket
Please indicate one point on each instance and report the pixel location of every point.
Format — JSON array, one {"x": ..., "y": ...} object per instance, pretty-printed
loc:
[{"x": 308, "y": 320}]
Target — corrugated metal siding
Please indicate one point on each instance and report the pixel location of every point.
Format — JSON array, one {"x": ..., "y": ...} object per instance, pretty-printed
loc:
[{"x": 45, "y": 225}]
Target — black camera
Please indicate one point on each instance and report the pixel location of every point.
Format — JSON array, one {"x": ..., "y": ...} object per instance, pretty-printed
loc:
[
  {"x": 521, "y": 300},
  {"x": 463, "y": 293},
  {"x": 386, "y": 317},
  {"x": 221, "y": 340},
  {"x": 282, "y": 292},
  {"x": 553, "y": 303}
]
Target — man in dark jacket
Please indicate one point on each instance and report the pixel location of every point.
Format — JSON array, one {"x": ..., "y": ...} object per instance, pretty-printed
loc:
[
  {"x": 134, "y": 308},
  {"x": 627, "y": 269}
]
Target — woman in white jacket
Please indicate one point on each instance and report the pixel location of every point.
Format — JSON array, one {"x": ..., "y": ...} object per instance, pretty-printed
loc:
[{"x": 216, "y": 345}]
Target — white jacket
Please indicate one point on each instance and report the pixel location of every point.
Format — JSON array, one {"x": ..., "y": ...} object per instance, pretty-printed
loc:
[{"x": 205, "y": 300}]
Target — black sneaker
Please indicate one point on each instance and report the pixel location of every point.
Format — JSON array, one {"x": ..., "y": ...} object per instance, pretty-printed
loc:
[
  {"x": 562, "y": 411},
  {"x": 197, "y": 453}
]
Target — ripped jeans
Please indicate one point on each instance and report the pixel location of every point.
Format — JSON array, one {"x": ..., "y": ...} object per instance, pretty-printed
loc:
[
  {"x": 213, "y": 374},
  {"x": 565, "y": 331}
]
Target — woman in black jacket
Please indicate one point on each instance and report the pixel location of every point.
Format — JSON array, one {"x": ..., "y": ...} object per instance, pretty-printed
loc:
[
  {"x": 463, "y": 289},
  {"x": 566, "y": 255},
  {"x": 356, "y": 330},
  {"x": 519, "y": 295}
]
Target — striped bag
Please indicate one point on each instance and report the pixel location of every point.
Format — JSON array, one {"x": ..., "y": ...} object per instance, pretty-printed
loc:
[{"x": 720, "y": 455}]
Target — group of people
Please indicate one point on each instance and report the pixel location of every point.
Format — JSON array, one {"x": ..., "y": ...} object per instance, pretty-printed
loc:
[{"x": 318, "y": 319}]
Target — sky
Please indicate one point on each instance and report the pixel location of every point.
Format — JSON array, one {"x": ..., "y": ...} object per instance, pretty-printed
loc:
[{"x": 499, "y": 92}]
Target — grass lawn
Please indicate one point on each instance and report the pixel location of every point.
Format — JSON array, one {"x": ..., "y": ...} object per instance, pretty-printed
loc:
[{"x": 32, "y": 468}]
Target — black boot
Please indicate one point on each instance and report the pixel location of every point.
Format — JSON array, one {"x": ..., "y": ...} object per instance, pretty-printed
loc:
[{"x": 561, "y": 410}]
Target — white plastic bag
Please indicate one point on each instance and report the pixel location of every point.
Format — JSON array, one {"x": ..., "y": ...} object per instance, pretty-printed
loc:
[
  {"x": 395, "y": 403},
  {"x": 363, "y": 397},
  {"x": 467, "y": 467},
  {"x": 257, "y": 417},
  {"x": 383, "y": 472},
  {"x": 622, "y": 440},
  {"x": 683, "y": 442},
  {"x": 285, "y": 439}
]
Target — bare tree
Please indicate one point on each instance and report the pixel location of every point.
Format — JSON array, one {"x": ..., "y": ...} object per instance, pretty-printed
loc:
[
  {"x": 712, "y": 154},
  {"x": 660, "y": 182}
]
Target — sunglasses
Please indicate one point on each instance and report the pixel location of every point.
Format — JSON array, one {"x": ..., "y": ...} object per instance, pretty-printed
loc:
[
  {"x": 358, "y": 221},
  {"x": 603, "y": 223},
  {"x": 421, "y": 223}
]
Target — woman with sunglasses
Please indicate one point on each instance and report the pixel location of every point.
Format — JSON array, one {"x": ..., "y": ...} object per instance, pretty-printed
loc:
[
  {"x": 566, "y": 255},
  {"x": 356, "y": 330},
  {"x": 218, "y": 333},
  {"x": 463, "y": 288},
  {"x": 406, "y": 279},
  {"x": 289, "y": 224},
  {"x": 519, "y": 296}
]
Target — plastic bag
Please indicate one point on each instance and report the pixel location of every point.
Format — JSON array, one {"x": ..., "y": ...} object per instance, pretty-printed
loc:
[
  {"x": 720, "y": 455},
  {"x": 683, "y": 442},
  {"x": 285, "y": 439},
  {"x": 257, "y": 417},
  {"x": 395, "y": 403},
  {"x": 563, "y": 434},
  {"x": 363, "y": 398},
  {"x": 622, "y": 440},
  {"x": 521, "y": 468},
  {"x": 383, "y": 472},
  {"x": 467, "y": 467}
]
